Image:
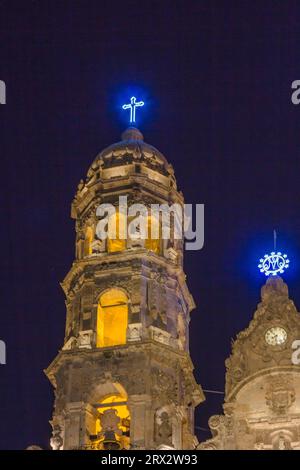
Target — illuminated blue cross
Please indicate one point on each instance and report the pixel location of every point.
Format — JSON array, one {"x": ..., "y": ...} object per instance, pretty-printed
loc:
[{"x": 133, "y": 104}]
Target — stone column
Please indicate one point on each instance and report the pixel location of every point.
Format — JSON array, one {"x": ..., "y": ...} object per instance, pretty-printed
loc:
[
  {"x": 177, "y": 428},
  {"x": 72, "y": 425},
  {"x": 140, "y": 425}
]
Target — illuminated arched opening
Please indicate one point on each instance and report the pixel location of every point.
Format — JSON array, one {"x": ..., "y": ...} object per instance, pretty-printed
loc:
[
  {"x": 116, "y": 241},
  {"x": 117, "y": 402},
  {"x": 112, "y": 318},
  {"x": 88, "y": 240},
  {"x": 152, "y": 241}
]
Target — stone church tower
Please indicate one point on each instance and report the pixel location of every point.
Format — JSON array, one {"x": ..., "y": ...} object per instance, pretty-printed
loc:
[
  {"x": 124, "y": 376},
  {"x": 262, "y": 397}
]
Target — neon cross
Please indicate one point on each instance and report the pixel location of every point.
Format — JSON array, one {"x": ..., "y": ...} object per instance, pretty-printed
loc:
[{"x": 133, "y": 104}]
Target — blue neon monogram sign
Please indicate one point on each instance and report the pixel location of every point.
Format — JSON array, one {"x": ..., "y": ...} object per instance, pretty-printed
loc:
[
  {"x": 273, "y": 264},
  {"x": 132, "y": 106}
]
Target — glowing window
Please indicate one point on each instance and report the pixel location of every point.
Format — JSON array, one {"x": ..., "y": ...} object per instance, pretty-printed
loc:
[
  {"x": 89, "y": 235},
  {"x": 117, "y": 242},
  {"x": 118, "y": 403},
  {"x": 152, "y": 243},
  {"x": 112, "y": 318}
]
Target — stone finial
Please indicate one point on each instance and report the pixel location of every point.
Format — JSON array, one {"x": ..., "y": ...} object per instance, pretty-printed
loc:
[
  {"x": 274, "y": 287},
  {"x": 132, "y": 133}
]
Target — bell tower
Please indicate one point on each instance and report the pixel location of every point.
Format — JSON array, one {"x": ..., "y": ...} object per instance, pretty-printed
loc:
[
  {"x": 262, "y": 399},
  {"x": 124, "y": 377}
]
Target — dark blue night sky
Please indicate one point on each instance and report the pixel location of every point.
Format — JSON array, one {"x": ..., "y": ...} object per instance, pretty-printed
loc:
[{"x": 216, "y": 80}]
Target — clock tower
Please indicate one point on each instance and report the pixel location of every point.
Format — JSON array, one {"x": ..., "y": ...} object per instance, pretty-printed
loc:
[
  {"x": 123, "y": 378},
  {"x": 262, "y": 396}
]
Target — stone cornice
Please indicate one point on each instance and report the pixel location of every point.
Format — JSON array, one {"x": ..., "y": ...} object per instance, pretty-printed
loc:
[
  {"x": 124, "y": 263},
  {"x": 148, "y": 347},
  {"x": 123, "y": 185}
]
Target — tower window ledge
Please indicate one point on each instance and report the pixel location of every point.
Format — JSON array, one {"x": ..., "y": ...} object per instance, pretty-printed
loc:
[
  {"x": 165, "y": 447},
  {"x": 71, "y": 343},
  {"x": 134, "y": 332},
  {"x": 171, "y": 254},
  {"x": 159, "y": 335},
  {"x": 94, "y": 255},
  {"x": 85, "y": 339}
]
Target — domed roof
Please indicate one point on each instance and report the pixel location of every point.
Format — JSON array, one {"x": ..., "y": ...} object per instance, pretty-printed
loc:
[{"x": 132, "y": 148}]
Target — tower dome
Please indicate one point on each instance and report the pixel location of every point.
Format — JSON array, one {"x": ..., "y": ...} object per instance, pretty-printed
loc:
[
  {"x": 130, "y": 161},
  {"x": 132, "y": 148}
]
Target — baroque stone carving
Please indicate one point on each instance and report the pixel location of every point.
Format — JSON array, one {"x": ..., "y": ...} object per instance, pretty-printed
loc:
[
  {"x": 163, "y": 428},
  {"x": 85, "y": 339},
  {"x": 280, "y": 393},
  {"x": 159, "y": 335},
  {"x": 164, "y": 386},
  {"x": 56, "y": 440},
  {"x": 134, "y": 332}
]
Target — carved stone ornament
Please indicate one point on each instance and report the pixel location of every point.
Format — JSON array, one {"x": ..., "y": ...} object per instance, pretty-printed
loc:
[
  {"x": 85, "y": 339},
  {"x": 71, "y": 343},
  {"x": 159, "y": 335},
  {"x": 163, "y": 428},
  {"x": 98, "y": 246},
  {"x": 56, "y": 440},
  {"x": 259, "y": 446},
  {"x": 172, "y": 254},
  {"x": 134, "y": 332},
  {"x": 280, "y": 394}
]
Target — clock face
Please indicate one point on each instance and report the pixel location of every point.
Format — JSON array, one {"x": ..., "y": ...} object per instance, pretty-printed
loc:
[{"x": 276, "y": 336}]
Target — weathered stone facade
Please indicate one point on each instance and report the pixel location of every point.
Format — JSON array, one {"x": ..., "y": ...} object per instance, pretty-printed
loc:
[
  {"x": 262, "y": 396},
  {"x": 152, "y": 371}
]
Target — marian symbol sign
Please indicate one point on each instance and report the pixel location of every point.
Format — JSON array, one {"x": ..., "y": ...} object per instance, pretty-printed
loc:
[{"x": 273, "y": 264}]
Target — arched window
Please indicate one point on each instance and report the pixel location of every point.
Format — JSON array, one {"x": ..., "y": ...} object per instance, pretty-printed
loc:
[
  {"x": 88, "y": 240},
  {"x": 112, "y": 318},
  {"x": 152, "y": 241},
  {"x": 116, "y": 241}
]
